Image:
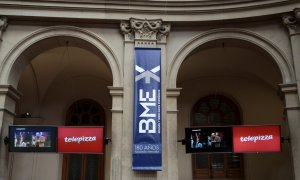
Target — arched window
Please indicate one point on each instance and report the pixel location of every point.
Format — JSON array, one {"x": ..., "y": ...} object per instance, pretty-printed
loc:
[
  {"x": 216, "y": 110},
  {"x": 84, "y": 112}
]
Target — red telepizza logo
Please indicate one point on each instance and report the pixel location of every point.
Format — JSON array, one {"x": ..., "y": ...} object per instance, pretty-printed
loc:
[
  {"x": 256, "y": 139},
  {"x": 80, "y": 139}
]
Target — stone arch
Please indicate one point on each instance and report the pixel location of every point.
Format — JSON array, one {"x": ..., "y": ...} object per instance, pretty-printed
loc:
[
  {"x": 286, "y": 70},
  {"x": 54, "y": 36}
]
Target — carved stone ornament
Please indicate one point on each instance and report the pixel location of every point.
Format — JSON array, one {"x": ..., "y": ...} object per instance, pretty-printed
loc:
[
  {"x": 145, "y": 32},
  {"x": 3, "y": 25},
  {"x": 292, "y": 22}
]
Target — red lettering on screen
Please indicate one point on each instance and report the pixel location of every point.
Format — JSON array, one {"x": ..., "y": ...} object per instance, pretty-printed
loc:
[
  {"x": 80, "y": 140},
  {"x": 256, "y": 139}
]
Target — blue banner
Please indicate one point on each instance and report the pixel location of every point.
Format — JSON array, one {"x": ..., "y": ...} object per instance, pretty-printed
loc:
[{"x": 147, "y": 148}]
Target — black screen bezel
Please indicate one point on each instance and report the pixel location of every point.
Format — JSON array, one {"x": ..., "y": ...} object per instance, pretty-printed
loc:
[
  {"x": 52, "y": 129},
  {"x": 227, "y": 130}
]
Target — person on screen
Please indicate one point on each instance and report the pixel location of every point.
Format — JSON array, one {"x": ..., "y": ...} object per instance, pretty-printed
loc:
[
  {"x": 16, "y": 140},
  {"x": 22, "y": 143},
  {"x": 192, "y": 141},
  {"x": 33, "y": 141},
  {"x": 198, "y": 141},
  {"x": 217, "y": 140},
  {"x": 37, "y": 136},
  {"x": 209, "y": 144},
  {"x": 40, "y": 141},
  {"x": 212, "y": 139},
  {"x": 198, "y": 144}
]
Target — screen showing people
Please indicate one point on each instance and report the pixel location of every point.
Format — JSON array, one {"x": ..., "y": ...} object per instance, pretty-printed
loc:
[
  {"x": 205, "y": 140},
  {"x": 208, "y": 139},
  {"x": 32, "y": 138}
]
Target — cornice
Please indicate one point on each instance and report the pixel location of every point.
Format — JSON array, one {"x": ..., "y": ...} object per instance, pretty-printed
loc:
[
  {"x": 168, "y": 10},
  {"x": 205, "y": 4}
]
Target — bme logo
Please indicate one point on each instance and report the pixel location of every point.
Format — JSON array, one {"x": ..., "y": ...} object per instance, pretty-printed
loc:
[
  {"x": 146, "y": 149},
  {"x": 148, "y": 100}
]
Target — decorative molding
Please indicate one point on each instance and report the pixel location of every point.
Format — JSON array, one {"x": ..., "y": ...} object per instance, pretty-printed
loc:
[
  {"x": 292, "y": 22},
  {"x": 247, "y": 36},
  {"x": 3, "y": 25},
  {"x": 292, "y": 108},
  {"x": 172, "y": 111},
  {"x": 8, "y": 111},
  {"x": 173, "y": 92},
  {"x": 41, "y": 38},
  {"x": 288, "y": 88},
  {"x": 201, "y": 10},
  {"x": 116, "y": 111},
  {"x": 127, "y": 31},
  {"x": 10, "y": 91},
  {"x": 172, "y": 95},
  {"x": 115, "y": 91},
  {"x": 145, "y": 33},
  {"x": 289, "y": 95}
]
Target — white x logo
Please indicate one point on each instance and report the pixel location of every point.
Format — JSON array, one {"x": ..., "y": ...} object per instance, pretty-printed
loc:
[{"x": 147, "y": 74}]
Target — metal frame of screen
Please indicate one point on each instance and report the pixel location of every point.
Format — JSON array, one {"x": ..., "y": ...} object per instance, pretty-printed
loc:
[
  {"x": 208, "y": 139},
  {"x": 32, "y": 138}
]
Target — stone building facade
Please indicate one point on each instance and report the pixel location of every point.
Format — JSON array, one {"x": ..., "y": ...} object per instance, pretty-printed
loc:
[{"x": 59, "y": 53}]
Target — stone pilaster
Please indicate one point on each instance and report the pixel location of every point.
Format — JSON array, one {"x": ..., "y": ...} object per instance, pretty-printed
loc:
[
  {"x": 292, "y": 91},
  {"x": 9, "y": 96},
  {"x": 172, "y": 112},
  {"x": 143, "y": 33},
  {"x": 128, "y": 69},
  {"x": 116, "y": 135},
  {"x": 292, "y": 22},
  {"x": 3, "y": 26},
  {"x": 291, "y": 98}
]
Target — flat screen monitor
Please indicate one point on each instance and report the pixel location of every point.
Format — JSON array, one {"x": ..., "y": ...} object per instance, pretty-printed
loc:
[
  {"x": 208, "y": 139},
  {"x": 32, "y": 139}
]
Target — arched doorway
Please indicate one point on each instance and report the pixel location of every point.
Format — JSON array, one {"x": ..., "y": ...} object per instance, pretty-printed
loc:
[
  {"x": 216, "y": 110},
  {"x": 61, "y": 65},
  {"x": 242, "y": 71},
  {"x": 84, "y": 112}
]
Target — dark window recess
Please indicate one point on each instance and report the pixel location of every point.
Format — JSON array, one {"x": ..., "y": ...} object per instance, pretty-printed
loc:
[
  {"x": 216, "y": 110},
  {"x": 84, "y": 112}
]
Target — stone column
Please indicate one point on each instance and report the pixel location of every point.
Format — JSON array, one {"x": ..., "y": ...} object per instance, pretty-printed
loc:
[
  {"x": 141, "y": 33},
  {"x": 128, "y": 69},
  {"x": 292, "y": 22},
  {"x": 172, "y": 111},
  {"x": 116, "y": 135},
  {"x": 292, "y": 112},
  {"x": 292, "y": 91},
  {"x": 8, "y": 98}
]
